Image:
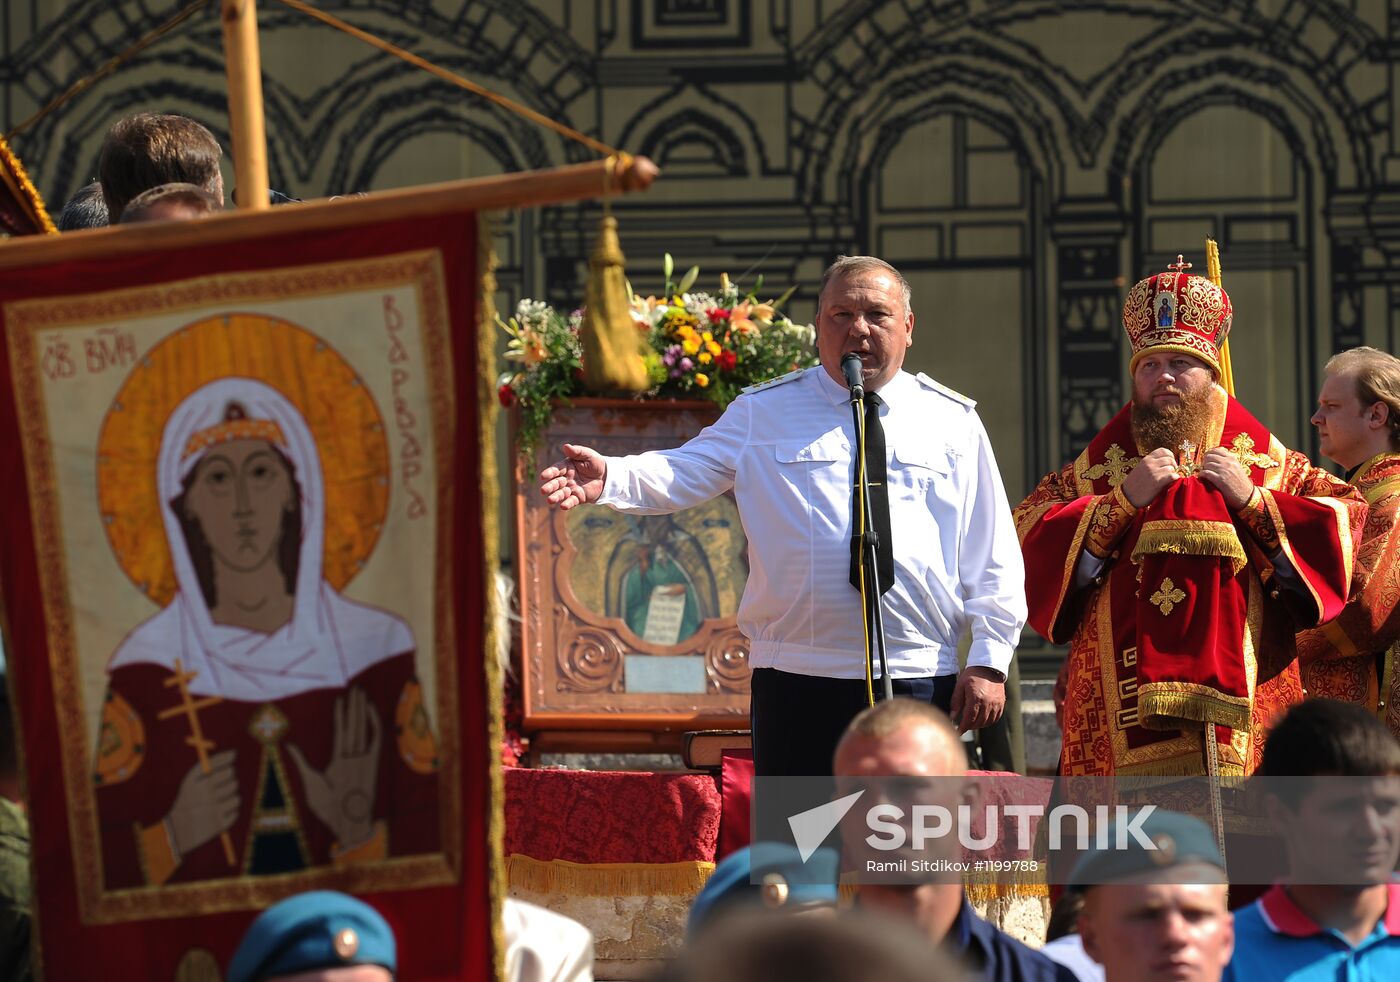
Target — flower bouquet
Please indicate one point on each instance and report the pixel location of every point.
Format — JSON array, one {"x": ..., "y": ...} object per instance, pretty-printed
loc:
[{"x": 699, "y": 346}]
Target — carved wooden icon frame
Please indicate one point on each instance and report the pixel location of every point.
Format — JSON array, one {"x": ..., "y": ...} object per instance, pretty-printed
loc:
[{"x": 603, "y": 646}]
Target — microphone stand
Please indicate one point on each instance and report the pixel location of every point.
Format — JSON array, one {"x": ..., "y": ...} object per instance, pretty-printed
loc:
[{"x": 873, "y": 604}]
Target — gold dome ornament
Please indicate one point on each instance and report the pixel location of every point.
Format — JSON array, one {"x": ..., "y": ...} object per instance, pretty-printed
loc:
[{"x": 613, "y": 345}]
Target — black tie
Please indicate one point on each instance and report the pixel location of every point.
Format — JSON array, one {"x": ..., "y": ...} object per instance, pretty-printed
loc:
[{"x": 879, "y": 499}]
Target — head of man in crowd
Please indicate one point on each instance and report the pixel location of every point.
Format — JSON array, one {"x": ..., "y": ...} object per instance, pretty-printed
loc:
[
  {"x": 905, "y": 739},
  {"x": 767, "y": 876},
  {"x": 320, "y": 936},
  {"x": 171, "y": 203},
  {"x": 1176, "y": 324},
  {"x": 852, "y": 947},
  {"x": 864, "y": 309},
  {"x": 1152, "y": 915},
  {"x": 1333, "y": 794},
  {"x": 149, "y": 149},
  {"x": 86, "y": 209},
  {"x": 1358, "y": 409}
]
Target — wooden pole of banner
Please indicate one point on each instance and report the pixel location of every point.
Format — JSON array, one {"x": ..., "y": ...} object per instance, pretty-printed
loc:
[{"x": 245, "y": 103}]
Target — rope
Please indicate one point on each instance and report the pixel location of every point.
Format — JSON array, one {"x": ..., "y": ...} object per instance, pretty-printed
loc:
[
  {"x": 455, "y": 79},
  {"x": 83, "y": 84}
]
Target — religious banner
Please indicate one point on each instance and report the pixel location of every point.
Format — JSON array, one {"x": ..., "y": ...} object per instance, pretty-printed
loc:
[
  {"x": 247, "y": 540},
  {"x": 22, "y": 210}
]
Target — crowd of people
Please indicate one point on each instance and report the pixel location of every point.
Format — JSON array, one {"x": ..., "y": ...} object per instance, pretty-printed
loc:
[{"x": 1229, "y": 607}]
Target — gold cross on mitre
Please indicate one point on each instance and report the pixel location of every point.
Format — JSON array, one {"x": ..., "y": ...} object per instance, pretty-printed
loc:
[
  {"x": 190, "y": 708},
  {"x": 1186, "y": 458},
  {"x": 1181, "y": 265}
]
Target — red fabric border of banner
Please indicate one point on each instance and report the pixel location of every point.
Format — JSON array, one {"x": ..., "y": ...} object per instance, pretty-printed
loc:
[{"x": 426, "y": 921}]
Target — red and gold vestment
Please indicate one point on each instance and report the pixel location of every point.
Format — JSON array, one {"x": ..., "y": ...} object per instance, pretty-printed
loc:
[{"x": 1220, "y": 633}]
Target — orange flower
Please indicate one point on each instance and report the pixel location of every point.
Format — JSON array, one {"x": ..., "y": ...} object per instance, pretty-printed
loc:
[{"x": 750, "y": 317}]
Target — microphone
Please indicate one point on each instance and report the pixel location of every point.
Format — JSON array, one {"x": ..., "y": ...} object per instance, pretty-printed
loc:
[{"x": 855, "y": 381}]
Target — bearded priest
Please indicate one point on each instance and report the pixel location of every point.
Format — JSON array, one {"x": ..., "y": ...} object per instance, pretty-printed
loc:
[{"x": 1179, "y": 555}]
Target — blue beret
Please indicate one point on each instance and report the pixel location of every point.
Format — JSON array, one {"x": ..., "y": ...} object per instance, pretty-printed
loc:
[
  {"x": 767, "y": 874},
  {"x": 319, "y": 929},
  {"x": 1179, "y": 840}
]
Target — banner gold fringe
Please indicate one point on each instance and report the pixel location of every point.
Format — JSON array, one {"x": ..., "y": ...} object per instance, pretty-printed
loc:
[
  {"x": 607, "y": 879},
  {"x": 1193, "y": 539},
  {"x": 1022, "y": 886},
  {"x": 1167, "y": 709},
  {"x": 487, "y": 408}
]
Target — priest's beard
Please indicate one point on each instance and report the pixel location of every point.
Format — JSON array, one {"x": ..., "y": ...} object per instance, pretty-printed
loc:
[{"x": 1172, "y": 425}]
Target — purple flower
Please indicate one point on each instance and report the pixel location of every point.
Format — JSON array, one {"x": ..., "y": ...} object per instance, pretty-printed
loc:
[
  {"x": 675, "y": 373},
  {"x": 686, "y": 364},
  {"x": 672, "y": 353}
]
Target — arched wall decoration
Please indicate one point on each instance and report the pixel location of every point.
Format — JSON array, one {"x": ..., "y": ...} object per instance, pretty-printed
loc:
[
  {"x": 690, "y": 126},
  {"x": 1309, "y": 266},
  {"x": 804, "y": 105},
  {"x": 700, "y": 105}
]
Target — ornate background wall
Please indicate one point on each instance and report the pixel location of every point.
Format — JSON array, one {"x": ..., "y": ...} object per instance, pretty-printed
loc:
[{"x": 1023, "y": 162}]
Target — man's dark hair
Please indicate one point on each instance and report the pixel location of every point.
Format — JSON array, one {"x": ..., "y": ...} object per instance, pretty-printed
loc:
[
  {"x": 86, "y": 209},
  {"x": 150, "y": 149},
  {"x": 1064, "y": 915},
  {"x": 1326, "y": 737}
]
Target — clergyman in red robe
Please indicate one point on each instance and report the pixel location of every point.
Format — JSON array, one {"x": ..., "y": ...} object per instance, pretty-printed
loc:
[
  {"x": 1179, "y": 554},
  {"x": 1353, "y": 658}
]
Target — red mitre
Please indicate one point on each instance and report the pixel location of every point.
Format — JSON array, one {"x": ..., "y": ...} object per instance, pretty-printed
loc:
[{"x": 1175, "y": 311}]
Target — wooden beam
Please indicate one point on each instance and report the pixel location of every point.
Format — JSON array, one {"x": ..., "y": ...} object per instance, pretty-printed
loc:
[
  {"x": 573, "y": 183},
  {"x": 243, "y": 62}
]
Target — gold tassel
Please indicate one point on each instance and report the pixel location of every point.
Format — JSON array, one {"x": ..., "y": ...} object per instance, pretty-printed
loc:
[{"x": 612, "y": 345}]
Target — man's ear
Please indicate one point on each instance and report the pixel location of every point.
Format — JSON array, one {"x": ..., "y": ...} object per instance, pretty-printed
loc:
[
  {"x": 1230, "y": 945},
  {"x": 1088, "y": 933},
  {"x": 1378, "y": 415}
]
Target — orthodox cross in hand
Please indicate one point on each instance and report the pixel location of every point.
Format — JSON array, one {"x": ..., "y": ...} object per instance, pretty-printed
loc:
[
  {"x": 190, "y": 708},
  {"x": 1186, "y": 458}
]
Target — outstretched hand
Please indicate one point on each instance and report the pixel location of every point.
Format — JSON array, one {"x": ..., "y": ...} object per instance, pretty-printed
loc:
[{"x": 576, "y": 480}]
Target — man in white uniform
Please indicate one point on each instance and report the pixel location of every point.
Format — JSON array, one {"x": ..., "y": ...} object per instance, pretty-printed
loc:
[{"x": 786, "y": 448}]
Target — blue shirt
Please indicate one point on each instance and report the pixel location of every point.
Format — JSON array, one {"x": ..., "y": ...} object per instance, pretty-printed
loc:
[
  {"x": 1275, "y": 940},
  {"x": 997, "y": 956}
]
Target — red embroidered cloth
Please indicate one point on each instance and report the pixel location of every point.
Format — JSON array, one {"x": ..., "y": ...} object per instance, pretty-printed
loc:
[{"x": 611, "y": 817}]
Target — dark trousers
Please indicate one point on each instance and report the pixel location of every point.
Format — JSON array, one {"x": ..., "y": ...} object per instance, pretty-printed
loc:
[{"x": 797, "y": 720}]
